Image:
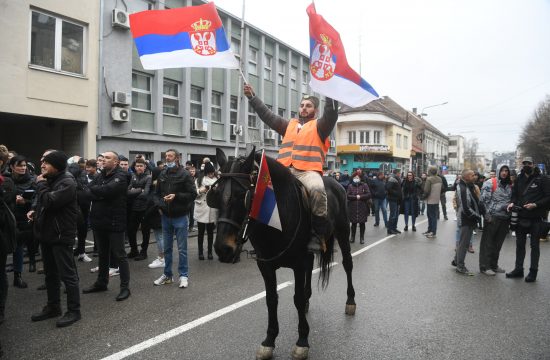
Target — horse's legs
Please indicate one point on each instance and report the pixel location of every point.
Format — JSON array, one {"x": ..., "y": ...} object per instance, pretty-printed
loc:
[
  {"x": 347, "y": 262},
  {"x": 271, "y": 298},
  {"x": 309, "y": 269},
  {"x": 301, "y": 349}
]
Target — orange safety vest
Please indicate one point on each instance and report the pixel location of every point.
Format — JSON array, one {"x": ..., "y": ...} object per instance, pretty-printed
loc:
[{"x": 302, "y": 148}]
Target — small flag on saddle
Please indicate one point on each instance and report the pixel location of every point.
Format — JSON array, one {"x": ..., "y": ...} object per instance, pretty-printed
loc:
[
  {"x": 264, "y": 205},
  {"x": 191, "y": 36}
]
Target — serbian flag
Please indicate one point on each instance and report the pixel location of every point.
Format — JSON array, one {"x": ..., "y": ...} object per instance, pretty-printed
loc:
[
  {"x": 184, "y": 37},
  {"x": 330, "y": 73},
  {"x": 264, "y": 205}
]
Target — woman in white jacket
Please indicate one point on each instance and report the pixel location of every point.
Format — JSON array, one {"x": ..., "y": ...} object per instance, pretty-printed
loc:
[{"x": 204, "y": 215}]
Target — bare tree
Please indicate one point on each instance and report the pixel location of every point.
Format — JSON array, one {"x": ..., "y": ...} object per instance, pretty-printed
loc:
[
  {"x": 470, "y": 154},
  {"x": 535, "y": 138}
]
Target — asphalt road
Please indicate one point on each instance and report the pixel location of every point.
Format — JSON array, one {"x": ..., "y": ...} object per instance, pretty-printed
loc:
[{"x": 410, "y": 305}]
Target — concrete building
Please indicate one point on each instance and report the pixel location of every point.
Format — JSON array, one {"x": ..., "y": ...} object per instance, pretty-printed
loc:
[
  {"x": 193, "y": 110},
  {"x": 372, "y": 138},
  {"x": 49, "y": 84},
  {"x": 456, "y": 153}
]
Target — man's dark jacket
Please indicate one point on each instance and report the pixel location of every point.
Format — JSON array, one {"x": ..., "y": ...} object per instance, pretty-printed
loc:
[
  {"x": 108, "y": 192},
  {"x": 138, "y": 191},
  {"x": 378, "y": 188},
  {"x": 393, "y": 186},
  {"x": 58, "y": 210},
  {"x": 538, "y": 193},
  {"x": 177, "y": 181}
]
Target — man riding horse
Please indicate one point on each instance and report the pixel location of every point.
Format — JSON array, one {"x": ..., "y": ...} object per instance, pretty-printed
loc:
[{"x": 303, "y": 151}]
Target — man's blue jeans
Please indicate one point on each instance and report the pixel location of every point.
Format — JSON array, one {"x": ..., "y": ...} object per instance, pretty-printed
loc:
[
  {"x": 178, "y": 226},
  {"x": 432, "y": 210},
  {"x": 380, "y": 204},
  {"x": 394, "y": 214}
]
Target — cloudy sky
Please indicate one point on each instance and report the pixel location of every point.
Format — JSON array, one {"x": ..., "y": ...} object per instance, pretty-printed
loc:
[{"x": 489, "y": 59}]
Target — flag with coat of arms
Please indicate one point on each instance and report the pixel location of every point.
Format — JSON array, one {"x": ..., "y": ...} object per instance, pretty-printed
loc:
[
  {"x": 191, "y": 36},
  {"x": 264, "y": 205},
  {"x": 330, "y": 72}
]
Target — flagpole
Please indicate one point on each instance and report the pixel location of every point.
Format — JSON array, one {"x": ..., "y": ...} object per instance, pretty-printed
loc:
[{"x": 240, "y": 104}]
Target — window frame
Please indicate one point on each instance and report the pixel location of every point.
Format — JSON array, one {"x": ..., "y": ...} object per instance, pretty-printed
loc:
[
  {"x": 142, "y": 91},
  {"x": 176, "y": 98},
  {"x": 268, "y": 67},
  {"x": 252, "y": 60},
  {"x": 376, "y": 137},
  {"x": 281, "y": 72},
  {"x": 58, "y": 44},
  {"x": 293, "y": 77},
  {"x": 216, "y": 107},
  {"x": 352, "y": 137}
]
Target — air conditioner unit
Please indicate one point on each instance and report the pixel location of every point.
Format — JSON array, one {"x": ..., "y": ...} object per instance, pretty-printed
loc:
[
  {"x": 270, "y": 134},
  {"x": 121, "y": 19},
  {"x": 332, "y": 143},
  {"x": 121, "y": 98},
  {"x": 236, "y": 129},
  {"x": 120, "y": 114},
  {"x": 199, "y": 124}
]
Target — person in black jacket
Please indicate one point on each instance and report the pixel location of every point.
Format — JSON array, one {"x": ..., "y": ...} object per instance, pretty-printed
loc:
[
  {"x": 84, "y": 209},
  {"x": 395, "y": 196},
  {"x": 56, "y": 220},
  {"x": 531, "y": 193},
  {"x": 138, "y": 194},
  {"x": 443, "y": 198},
  {"x": 108, "y": 218},
  {"x": 411, "y": 191},
  {"x": 174, "y": 194}
]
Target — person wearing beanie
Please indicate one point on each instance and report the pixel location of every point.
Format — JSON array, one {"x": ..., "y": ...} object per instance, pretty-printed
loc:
[
  {"x": 303, "y": 150},
  {"x": 205, "y": 216},
  {"x": 56, "y": 222},
  {"x": 496, "y": 194}
]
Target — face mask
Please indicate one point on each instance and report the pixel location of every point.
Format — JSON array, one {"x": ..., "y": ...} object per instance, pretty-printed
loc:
[
  {"x": 170, "y": 164},
  {"x": 528, "y": 170},
  {"x": 356, "y": 180}
]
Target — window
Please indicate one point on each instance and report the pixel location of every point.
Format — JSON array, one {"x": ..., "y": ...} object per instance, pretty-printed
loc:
[
  {"x": 293, "y": 114},
  {"x": 376, "y": 137},
  {"x": 216, "y": 107},
  {"x": 405, "y": 142},
  {"x": 196, "y": 102},
  {"x": 364, "y": 137},
  {"x": 282, "y": 72},
  {"x": 57, "y": 44},
  {"x": 281, "y": 112},
  {"x": 398, "y": 141},
  {"x": 252, "y": 61},
  {"x": 236, "y": 47},
  {"x": 293, "y": 74},
  {"x": 351, "y": 137},
  {"x": 452, "y": 155},
  {"x": 170, "y": 98},
  {"x": 452, "y": 143},
  {"x": 233, "y": 114},
  {"x": 304, "y": 82},
  {"x": 268, "y": 66},
  {"x": 252, "y": 118},
  {"x": 141, "y": 92}
]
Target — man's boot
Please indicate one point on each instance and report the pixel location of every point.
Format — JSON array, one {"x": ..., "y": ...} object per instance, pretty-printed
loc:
[
  {"x": 362, "y": 236},
  {"x": 353, "y": 231},
  {"x": 18, "y": 281},
  {"x": 49, "y": 311},
  {"x": 516, "y": 273},
  {"x": 532, "y": 276},
  {"x": 317, "y": 242}
]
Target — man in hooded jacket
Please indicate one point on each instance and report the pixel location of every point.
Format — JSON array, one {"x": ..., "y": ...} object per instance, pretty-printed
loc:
[{"x": 495, "y": 195}]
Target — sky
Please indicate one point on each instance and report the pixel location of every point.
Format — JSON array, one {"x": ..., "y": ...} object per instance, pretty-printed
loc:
[{"x": 488, "y": 59}]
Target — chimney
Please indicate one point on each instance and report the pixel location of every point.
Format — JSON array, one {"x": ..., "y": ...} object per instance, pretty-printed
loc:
[{"x": 414, "y": 111}]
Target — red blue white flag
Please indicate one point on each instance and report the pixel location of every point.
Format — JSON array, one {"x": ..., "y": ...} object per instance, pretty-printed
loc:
[
  {"x": 183, "y": 37},
  {"x": 264, "y": 205},
  {"x": 330, "y": 72}
]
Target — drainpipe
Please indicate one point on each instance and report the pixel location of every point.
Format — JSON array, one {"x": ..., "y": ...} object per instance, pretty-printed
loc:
[{"x": 100, "y": 72}]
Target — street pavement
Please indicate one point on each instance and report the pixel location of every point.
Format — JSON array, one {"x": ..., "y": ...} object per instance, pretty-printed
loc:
[{"x": 410, "y": 305}]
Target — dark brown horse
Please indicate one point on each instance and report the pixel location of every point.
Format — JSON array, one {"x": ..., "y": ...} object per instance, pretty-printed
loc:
[{"x": 232, "y": 195}]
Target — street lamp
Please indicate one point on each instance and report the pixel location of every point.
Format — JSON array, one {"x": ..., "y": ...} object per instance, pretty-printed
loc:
[{"x": 427, "y": 107}]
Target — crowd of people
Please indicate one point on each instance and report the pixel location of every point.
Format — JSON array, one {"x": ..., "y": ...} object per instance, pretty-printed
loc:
[{"x": 49, "y": 211}]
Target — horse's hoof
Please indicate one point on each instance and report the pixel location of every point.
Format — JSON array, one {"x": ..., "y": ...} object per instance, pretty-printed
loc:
[
  {"x": 300, "y": 353},
  {"x": 264, "y": 352},
  {"x": 350, "y": 309}
]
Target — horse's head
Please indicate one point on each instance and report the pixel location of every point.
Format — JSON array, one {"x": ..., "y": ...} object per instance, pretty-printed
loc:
[{"x": 229, "y": 196}]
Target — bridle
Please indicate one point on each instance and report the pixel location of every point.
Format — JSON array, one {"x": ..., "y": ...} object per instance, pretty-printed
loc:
[{"x": 242, "y": 235}]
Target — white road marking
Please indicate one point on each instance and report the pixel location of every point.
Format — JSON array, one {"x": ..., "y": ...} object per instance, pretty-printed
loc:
[{"x": 216, "y": 314}]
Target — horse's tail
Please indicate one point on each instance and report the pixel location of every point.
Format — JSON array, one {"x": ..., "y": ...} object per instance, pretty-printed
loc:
[{"x": 325, "y": 261}]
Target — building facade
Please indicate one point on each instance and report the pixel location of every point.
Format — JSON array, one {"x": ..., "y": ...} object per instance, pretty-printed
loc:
[
  {"x": 456, "y": 153},
  {"x": 49, "y": 87},
  {"x": 194, "y": 110},
  {"x": 372, "y": 138}
]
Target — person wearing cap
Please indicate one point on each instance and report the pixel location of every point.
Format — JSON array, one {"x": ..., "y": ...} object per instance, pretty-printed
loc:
[
  {"x": 57, "y": 223},
  {"x": 531, "y": 193},
  {"x": 303, "y": 150}
]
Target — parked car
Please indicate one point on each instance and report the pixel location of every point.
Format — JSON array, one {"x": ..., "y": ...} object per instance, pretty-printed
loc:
[{"x": 451, "y": 178}]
